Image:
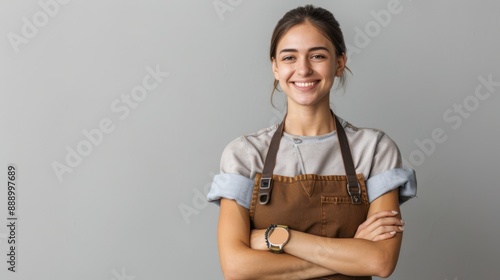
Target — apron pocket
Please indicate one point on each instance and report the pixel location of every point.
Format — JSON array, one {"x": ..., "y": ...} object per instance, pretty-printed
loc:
[{"x": 340, "y": 218}]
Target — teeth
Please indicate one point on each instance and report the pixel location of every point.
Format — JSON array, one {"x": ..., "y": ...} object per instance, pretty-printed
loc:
[{"x": 305, "y": 84}]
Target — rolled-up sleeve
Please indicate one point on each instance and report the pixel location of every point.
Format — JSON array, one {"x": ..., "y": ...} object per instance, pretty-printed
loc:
[
  {"x": 231, "y": 186},
  {"x": 234, "y": 180},
  {"x": 402, "y": 178}
]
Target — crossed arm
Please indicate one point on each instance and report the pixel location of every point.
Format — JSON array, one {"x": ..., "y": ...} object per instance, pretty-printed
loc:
[{"x": 374, "y": 250}]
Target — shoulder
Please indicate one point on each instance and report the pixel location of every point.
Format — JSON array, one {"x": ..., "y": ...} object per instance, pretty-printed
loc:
[
  {"x": 374, "y": 147},
  {"x": 254, "y": 141},
  {"x": 380, "y": 154},
  {"x": 240, "y": 161},
  {"x": 241, "y": 154},
  {"x": 368, "y": 136}
]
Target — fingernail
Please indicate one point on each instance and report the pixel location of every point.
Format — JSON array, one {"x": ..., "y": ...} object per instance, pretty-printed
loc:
[
  {"x": 402, "y": 228},
  {"x": 403, "y": 222},
  {"x": 394, "y": 212},
  {"x": 392, "y": 232}
]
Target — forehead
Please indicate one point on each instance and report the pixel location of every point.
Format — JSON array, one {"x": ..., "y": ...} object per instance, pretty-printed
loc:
[{"x": 302, "y": 37}]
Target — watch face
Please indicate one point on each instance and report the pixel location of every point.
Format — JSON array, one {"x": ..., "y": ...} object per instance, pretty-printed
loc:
[{"x": 278, "y": 236}]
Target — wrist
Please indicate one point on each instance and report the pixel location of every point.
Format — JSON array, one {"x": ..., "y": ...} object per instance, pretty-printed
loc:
[{"x": 276, "y": 237}]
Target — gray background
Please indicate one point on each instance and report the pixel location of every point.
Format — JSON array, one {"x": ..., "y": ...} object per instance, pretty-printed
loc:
[{"x": 118, "y": 215}]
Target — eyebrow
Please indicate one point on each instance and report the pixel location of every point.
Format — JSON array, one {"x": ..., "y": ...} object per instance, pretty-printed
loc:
[{"x": 310, "y": 50}]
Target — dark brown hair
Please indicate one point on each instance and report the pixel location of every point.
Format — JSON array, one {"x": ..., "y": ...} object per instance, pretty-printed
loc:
[{"x": 321, "y": 19}]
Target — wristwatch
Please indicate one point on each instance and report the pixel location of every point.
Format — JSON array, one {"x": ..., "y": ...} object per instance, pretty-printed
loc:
[{"x": 276, "y": 237}]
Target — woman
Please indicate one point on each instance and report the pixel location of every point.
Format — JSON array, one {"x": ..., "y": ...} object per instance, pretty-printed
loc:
[{"x": 293, "y": 199}]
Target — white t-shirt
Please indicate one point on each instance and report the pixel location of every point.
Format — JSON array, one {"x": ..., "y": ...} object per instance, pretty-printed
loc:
[{"x": 375, "y": 155}]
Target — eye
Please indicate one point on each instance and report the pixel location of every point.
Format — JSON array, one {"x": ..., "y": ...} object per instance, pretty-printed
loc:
[
  {"x": 287, "y": 58},
  {"x": 318, "y": 57}
]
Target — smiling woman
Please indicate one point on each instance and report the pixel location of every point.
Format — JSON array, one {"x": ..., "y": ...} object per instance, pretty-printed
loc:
[
  {"x": 306, "y": 65},
  {"x": 315, "y": 196}
]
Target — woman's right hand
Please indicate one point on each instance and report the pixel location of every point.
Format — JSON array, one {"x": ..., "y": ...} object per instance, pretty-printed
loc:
[{"x": 380, "y": 226}]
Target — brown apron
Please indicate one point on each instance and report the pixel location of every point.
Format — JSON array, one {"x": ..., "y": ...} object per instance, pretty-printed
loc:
[{"x": 329, "y": 206}]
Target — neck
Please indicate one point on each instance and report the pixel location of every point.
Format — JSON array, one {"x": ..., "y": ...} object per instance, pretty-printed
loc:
[{"x": 309, "y": 121}]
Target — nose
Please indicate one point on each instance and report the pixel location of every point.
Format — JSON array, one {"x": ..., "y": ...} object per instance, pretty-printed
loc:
[{"x": 304, "y": 67}]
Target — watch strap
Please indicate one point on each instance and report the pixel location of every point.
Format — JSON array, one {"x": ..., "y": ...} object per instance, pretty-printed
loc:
[{"x": 276, "y": 248}]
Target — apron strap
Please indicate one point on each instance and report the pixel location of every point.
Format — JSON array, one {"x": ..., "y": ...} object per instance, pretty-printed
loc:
[
  {"x": 266, "y": 181},
  {"x": 353, "y": 187}
]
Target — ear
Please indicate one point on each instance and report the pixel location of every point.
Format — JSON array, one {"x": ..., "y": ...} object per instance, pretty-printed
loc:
[
  {"x": 341, "y": 62},
  {"x": 275, "y": 69}
]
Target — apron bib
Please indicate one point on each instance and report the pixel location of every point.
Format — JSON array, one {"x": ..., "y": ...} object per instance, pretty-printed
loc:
[{"x": 329, "y": 206}]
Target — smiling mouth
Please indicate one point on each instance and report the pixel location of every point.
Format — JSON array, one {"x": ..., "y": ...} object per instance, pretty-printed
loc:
[{"x": 305, "y": 85}]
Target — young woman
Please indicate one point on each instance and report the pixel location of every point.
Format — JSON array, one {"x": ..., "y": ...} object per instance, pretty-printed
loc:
[{"x": 313, "y": 197}]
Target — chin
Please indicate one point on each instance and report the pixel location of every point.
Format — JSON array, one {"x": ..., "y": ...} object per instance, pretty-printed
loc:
[
  {"x": 306, "y": 102},
  {"x": 310, "y": 101}
]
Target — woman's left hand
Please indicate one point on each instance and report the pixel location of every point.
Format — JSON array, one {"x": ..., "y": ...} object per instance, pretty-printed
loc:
[
  {"x": 380, "y": 226},
  {"x": 257, "y": 239}
]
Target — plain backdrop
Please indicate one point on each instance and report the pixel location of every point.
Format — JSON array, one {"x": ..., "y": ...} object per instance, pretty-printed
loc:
[{"x": 112, "y": 176}]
